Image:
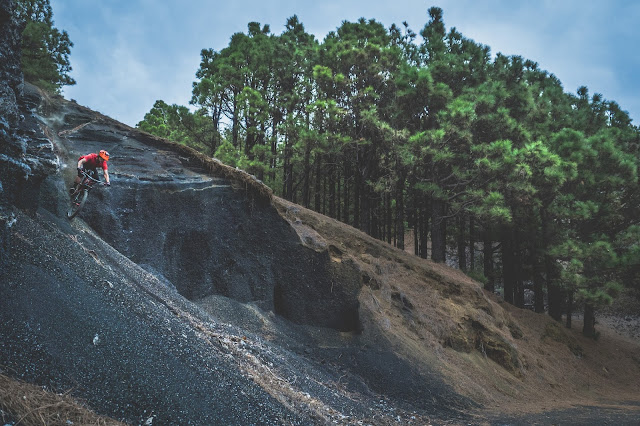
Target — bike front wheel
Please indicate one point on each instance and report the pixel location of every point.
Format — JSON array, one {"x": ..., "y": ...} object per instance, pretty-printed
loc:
[{"x": 77, "y": 202}]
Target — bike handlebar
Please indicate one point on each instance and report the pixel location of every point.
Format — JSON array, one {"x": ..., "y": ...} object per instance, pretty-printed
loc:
[
  {"x": 91, "y": 180},
  {"x": 88, "y": 176}
]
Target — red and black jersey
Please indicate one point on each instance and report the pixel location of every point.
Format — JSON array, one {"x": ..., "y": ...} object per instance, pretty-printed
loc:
[{"x": 92, "y": 162}]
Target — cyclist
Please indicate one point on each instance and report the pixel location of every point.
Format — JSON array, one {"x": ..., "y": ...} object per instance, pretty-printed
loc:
[{"x": 90, "y": 163}]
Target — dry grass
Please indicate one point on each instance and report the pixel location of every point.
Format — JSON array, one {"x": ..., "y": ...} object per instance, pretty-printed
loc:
[
  {"x": 429, "y": 318},
  {"x": 31, "y": 405}
]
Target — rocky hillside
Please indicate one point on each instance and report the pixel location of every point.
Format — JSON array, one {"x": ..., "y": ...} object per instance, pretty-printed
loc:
[
  {"x": 25, "y": 155},
  {"x": 186, "y": 293}
]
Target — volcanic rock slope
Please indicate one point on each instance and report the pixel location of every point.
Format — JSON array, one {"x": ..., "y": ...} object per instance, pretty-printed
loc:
[{"x": 187, "y": 294}]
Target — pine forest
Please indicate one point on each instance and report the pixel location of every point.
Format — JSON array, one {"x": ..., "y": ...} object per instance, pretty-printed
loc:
[{"x": 430, "y": 142}]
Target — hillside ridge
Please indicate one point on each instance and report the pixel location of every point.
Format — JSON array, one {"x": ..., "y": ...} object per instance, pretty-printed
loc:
[{"x": 214, "y": 301}]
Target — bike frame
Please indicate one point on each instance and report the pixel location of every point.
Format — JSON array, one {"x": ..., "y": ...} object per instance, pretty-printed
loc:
[
  {"x": 87, "y": 181},
  {"x": 79, "y": 196}
]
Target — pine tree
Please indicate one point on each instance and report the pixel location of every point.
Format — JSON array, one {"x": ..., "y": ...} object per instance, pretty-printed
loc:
[
  {"x": 381, "y": 131},
  {"x": 177, "y": 123},
  {"x": 45, "y": 49}
]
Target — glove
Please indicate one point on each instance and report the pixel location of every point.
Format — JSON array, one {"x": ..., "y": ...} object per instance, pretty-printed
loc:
[
  {"x": 80, "y": 172},
  {"x": 107, "y": 184}
]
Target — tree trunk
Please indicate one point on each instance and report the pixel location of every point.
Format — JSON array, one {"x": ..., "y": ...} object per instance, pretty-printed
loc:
[
  {"x": 234, "y": 122},
  {"x": 215, "y": 138},
  {"x": 423, "y": 226},
  {"x": 347, "y": 201},
  {"x": 438, "y": 231},
  {"x": 332, "y": 186},
  {"x": 287, "y": 179},
  {"x": 318, "y": 184},
  {"x": 388, "y": 220},
  {"x": 518, "y": 289},
  {"x": 399, "y": 222},
  {"x": 508, "y": 265},
  {"x": 472, "y": 245},
  {"x": 555, "y": 301},
  {"x": 487, "y": 260},
  {"x": 589, "y": 328},
  {"x": 554, "y": 293},
  {"x": 366, "y": 198},
  {"x": 538, "y": 295},
  {"x": 306, "y": 175},
  {"x": 260, "y": 141},
  {"x": 356, "y": 198},
  {"x": 338, "y": 194},
  {"x": 462, "y": 246},
  {"x": 372, "y": 215},
  {"x": 324, "y": 180},
  {"x": 365, "y": 208},
  {"x": 274, "y": 149},
  {"x": 569, "y": 309},
  {"x": 424, "y": 229}
]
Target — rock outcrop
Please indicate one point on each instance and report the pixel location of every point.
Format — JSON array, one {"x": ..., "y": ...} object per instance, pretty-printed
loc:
[
  {"x": 26, "y": 154},
  {"x": 11, "y": 79},
  {"x": 10, "y": 90}
]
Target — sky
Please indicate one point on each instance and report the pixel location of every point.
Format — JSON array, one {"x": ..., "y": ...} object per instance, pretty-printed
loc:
[{"x": 129, "y": 53}]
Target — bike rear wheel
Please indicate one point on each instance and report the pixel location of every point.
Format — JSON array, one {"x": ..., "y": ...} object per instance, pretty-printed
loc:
[{"x": 77, "y": 202}]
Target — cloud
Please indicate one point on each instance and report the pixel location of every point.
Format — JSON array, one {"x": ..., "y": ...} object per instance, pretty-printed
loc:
[{"x": 129, "y": 53}]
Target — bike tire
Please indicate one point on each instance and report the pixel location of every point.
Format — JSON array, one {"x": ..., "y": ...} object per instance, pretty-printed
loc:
[{"x": 77, "y": 202}]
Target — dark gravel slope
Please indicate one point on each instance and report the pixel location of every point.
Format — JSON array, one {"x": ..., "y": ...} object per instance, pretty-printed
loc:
[
  {"x": 77, "y": 315},
  {"x": 74, "y": 314}
]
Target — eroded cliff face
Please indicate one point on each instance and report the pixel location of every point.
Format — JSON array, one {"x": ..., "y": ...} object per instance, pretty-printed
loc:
[
  {"x": 10, "y": 84},
  {"x": 11, "y": 79},
  {"x": 205, "y": 235},
  {"x": 26, "y": 155}
]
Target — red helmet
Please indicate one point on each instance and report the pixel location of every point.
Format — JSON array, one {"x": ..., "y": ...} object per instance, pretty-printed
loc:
[{"x": 104, "y": 155}]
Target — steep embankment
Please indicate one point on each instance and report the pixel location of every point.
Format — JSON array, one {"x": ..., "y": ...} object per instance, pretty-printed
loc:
[
  {"x": 512, "y": 361},
  {"x": 188, "y": 294},
  {"x": 267, "y": 331}
]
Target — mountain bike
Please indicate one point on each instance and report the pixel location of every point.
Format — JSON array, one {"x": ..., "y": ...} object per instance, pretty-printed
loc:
[{"x": 80, "y": 193}]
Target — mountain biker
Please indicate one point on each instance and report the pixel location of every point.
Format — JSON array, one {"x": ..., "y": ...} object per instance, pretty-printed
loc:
[{"x": 90, "y": 162}]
